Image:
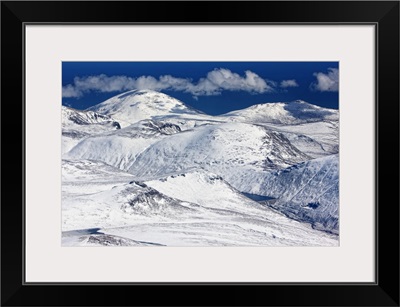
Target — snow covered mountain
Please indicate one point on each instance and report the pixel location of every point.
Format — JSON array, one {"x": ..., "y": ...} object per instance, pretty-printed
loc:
[
  {"x": 312, "y": 129},
  {"x": 232, "y": 150},
  {"x": 137, "y": 105},
  {"x": 292, "y": 113},
  {"x": 152, "y": 148},
  {"x": 142, "y": 168}
]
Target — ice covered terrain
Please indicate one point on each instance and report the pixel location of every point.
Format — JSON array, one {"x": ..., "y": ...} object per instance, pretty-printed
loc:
[{"x": 143, "y": 169}]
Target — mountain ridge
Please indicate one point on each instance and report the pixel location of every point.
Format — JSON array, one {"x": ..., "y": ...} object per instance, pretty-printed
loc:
[
  {"x": 168, "y": 159},
  {"x": 293, "y": 112}
]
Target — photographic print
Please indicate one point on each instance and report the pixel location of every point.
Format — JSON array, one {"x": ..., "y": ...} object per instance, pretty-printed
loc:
[{"x": 200, "y": 154}]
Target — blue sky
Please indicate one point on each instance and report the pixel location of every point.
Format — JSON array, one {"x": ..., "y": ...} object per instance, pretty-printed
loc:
[{"x": 212, "y": 87}]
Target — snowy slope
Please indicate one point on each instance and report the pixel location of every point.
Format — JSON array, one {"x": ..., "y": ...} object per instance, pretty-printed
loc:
[
  {"x": 232, "y": 150},
  {"x": 121, "y": 147},
  {"x": 308, "y": 192},
  {"x": 290, "y": 113},
  {"x": 312, "y": 129},
  {"x": 176, "y": 211},
  {"x": 77, "y": 125},
  {"x": 98, "y": 195},
  {"x": 316, "y": 139}
]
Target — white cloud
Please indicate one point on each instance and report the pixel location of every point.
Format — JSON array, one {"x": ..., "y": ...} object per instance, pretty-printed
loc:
[
  {"x": 70, "y": 91},
  {"x": 224, "y": 79},
  {"x": 205, "y": 87},
  {"x": 326, "y": 82},
  {"x": 213, "y": 84},
  {"x": 289, "y": 83}
]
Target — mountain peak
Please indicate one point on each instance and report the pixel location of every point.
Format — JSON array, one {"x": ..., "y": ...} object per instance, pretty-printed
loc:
[
  {"x": 136, "y": 105},
  {"x": 293, "y": 112}
]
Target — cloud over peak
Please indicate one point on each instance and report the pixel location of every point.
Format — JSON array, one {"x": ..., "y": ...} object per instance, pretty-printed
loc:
[{"x": 214, "y": 83}]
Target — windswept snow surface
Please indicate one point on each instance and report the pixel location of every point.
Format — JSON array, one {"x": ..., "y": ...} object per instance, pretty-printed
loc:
[
  {"x": 172, "y": 211},
  {"x": 143, "y": 169}
]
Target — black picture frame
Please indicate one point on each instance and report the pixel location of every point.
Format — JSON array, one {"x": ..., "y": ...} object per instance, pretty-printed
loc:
[{"x": 384, "y": 292}]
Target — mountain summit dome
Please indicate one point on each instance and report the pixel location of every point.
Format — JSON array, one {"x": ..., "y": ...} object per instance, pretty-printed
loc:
[
  {"x": 136, "y": 105},
  {"x": 288, "y": 113}
]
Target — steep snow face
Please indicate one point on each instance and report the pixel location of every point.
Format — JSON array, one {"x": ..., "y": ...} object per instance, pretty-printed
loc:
[
  {"x": 72, "y": 117},
  {"x": 120, "y": 148},
  {"x": 77, "y": 125},
  {"x": 137, "y": 105},
  {"x": 103, "y": 206},
  {"x": 232, "y": 150},
  {"x": 316, "y": 139},
  {"x": 291, "y": 113},
  {"x": 307, "y": 192}
]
